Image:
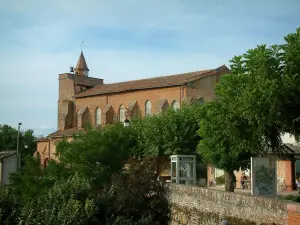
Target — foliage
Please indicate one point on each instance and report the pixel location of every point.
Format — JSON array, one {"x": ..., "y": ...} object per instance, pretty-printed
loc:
[
  {"x": 9, "y": 205},
  {"x": 67, "y": 202},
  {"x": 222, "y": 144},
  {"x": 89, "y": 185},
  {"x": 98, "y": 154},
  {"x": 135, "y": 197},
  {"x": 131, "y": 196},
  {"x": 294, "y": 198},
  {"x": 8, "y": 141},
  {"x": 220, "y": 180},
  {"x": 269, "y": 100},
  {"x": 254, "y": 105},
  {"x": 166, "y": 133}
]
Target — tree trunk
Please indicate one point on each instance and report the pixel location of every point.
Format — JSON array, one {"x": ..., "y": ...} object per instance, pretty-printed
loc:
[{"x": 229, "y": 181}]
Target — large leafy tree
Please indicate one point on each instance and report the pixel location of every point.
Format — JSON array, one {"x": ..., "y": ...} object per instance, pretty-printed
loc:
[
  {"x": 97, "y": 154},
  {"x": 170, "y": 132},
  {"x": 254, "y": 105},
  {"x": 269, "y": 100},
  {"x": 8, "y": 140},
  {"x": 227, "y": 142}
]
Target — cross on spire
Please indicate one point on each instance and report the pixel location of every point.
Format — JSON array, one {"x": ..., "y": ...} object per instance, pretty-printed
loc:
[{"x": 81, "y": 45}]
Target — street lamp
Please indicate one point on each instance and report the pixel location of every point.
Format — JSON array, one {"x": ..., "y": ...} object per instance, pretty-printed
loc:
[
  {"x": 126, "y": 121},
  {"x": 18, "y": 139}
]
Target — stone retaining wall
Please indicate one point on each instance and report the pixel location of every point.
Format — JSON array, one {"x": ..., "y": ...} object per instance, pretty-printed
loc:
[{"x": 202, "y": 206}]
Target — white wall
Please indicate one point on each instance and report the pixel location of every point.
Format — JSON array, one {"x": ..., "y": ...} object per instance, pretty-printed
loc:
[{"x": 9, "y": 165}]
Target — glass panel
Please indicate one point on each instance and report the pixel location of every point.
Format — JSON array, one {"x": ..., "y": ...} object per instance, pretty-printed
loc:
[
  {"x": 297, "y": 168},
  {"x": 190, "y": 169},
  {"x": 182, "y": 182},
  {"x": 173, "y": 169},
  {"x": 182, "y": 169}
]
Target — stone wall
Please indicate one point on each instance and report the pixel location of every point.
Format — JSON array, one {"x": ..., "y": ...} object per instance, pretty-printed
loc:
[{"x": 196, "y": 205}]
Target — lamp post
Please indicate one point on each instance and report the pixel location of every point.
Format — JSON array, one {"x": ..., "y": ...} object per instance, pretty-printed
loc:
[
  {"x": 18, "y": 154},
  {"x": 127, "y": 114}
]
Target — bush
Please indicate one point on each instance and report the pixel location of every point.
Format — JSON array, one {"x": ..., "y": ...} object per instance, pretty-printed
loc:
[
  {"x": 135, "y": 197},
  {"x": 8, "y": 205},
  {"x": 66, "y": 203},
  {"x": 220, "y": 180},
  {"x": 294, "y": 198}
]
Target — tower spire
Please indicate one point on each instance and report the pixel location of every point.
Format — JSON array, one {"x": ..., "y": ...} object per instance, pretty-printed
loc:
[{"x": 81, "y": 68}]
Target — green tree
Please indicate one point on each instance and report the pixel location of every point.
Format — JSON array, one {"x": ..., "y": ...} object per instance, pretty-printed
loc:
[
  {"x": 269, "y": 100},
  {"x": 97, "y": 154},
  {"x": 223, "y": 142},
  {"x": 30, "y": 181},
  {"x": 170, "y": 132},
  {"x": 254, "y": 105},
  {"x": 8, "y": 141}
]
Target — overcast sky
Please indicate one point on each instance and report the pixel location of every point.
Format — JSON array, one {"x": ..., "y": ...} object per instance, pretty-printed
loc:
[{"x": 123, "y": 40}]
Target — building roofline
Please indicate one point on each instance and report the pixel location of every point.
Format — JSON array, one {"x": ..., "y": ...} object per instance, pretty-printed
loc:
[{"x": 196, "y": 77}]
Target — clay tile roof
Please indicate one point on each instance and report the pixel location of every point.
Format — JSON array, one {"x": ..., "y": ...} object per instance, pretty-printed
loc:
[
  {"x": 42, "y": 139},
  {"x": 87, "y": 81},
  {"x": 157, "y": 82},
  {"x": 4, "y": 154},
  {"x": 81, "y": 64},
  {"x": 65, "y": 133}
]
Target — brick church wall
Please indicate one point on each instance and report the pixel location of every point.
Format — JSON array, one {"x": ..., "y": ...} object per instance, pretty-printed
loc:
[{"x": 126, "y": 98}]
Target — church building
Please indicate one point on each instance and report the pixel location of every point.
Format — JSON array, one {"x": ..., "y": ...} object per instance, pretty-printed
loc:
[{"x": 86, "y": 100}]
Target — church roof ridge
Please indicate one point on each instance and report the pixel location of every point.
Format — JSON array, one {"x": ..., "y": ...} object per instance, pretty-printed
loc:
[{"x": 147, "y": 83}]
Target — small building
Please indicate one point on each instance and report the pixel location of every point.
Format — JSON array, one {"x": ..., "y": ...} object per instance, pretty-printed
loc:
[{"x": 8, "y": 165}]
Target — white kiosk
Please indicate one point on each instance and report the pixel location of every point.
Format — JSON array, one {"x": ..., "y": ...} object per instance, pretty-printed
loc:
[{"x": 183, "y": 169}]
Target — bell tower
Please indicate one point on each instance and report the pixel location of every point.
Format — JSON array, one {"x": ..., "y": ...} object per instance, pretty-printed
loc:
[{"x": 81, "y": 68}]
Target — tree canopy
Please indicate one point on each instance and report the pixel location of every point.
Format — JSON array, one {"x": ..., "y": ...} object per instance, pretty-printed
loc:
[
  {"x": 167, "y": 133},
  {"x": 8, "y": 140},
  {"x": 253, "y": 106}
]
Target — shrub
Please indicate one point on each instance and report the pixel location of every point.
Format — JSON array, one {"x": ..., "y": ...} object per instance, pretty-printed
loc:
[
  {"x": 135, "y": 197},
  {"x": 66, "y": 203},
  {"x": 8, "y": 205},
  {"x": 294, "y": 198},
  {"x": 220, "y": 180}
]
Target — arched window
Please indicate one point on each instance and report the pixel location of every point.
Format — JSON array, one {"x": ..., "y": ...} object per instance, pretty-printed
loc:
[
  {"x": 148, "y": 108},
  {"x": 78, "y": 119},
  {"x": 176, "y": 105},
  {"x": 98, "y": 116},
  {"x": 122, "y": 116}
]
